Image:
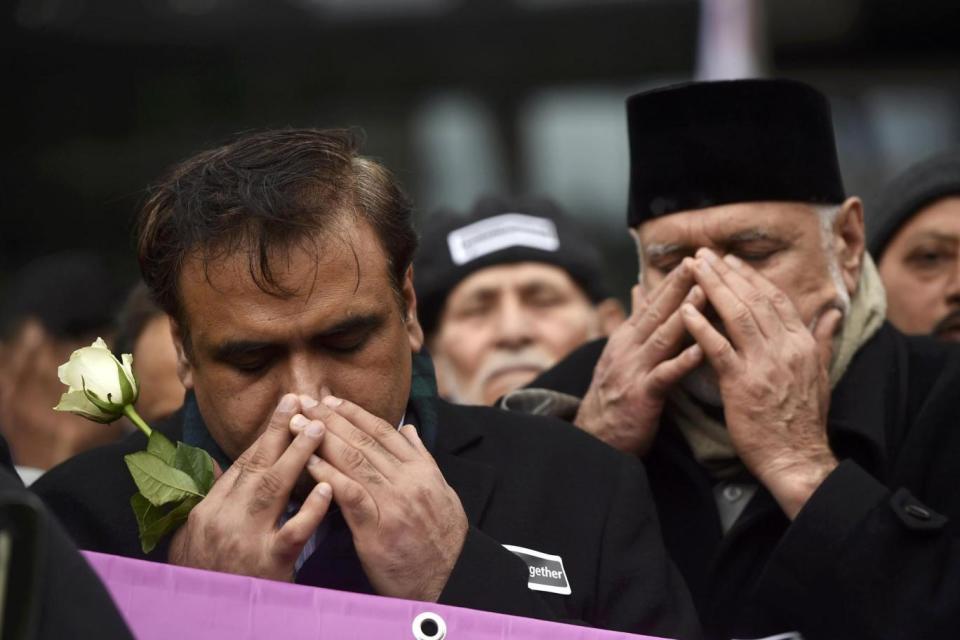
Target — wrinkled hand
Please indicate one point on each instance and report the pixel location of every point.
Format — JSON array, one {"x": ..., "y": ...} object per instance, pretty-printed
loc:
[
  {"x": 643, "y": 359},
  {"x": 234, "y": 528},
  {"x": 408, "y": 525},
  {"x": 772, "y": 373}
]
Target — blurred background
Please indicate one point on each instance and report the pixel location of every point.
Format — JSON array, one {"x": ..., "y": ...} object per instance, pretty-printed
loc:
[{"x": 458, "y": 97}]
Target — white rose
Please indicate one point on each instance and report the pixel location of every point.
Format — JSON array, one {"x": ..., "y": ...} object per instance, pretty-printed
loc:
[{"x": 100, "y": 386}]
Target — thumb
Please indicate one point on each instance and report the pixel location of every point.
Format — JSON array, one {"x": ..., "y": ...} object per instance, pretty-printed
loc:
[{"x": 827, "y": 326}]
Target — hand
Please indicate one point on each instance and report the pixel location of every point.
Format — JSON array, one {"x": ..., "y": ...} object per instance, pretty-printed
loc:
[
  {"x": 642, "y": 361},
  {"x": 234, "y": 528},
  {"x": 772, "y": 373},
  {"x": 408, "y": 525}
]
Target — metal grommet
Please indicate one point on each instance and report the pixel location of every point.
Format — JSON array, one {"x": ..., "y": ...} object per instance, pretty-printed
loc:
[{"x": 429, "y": 626}]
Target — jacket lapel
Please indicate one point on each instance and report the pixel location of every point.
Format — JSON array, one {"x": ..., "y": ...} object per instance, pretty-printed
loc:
[{"x": 457, "y": 434}]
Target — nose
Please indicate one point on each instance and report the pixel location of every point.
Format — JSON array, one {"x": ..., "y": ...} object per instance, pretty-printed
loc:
[
  {"x": 514, "y": 327},
  {"x": 307, "y": 376}
]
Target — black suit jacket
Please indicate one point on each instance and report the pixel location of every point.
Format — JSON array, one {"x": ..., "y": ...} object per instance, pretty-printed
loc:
[
  {"x": 529, "y": 482},
  {"x": 874, "y": 554}
]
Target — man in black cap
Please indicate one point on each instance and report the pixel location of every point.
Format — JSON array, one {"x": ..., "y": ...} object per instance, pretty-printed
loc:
[
  {"x": 915, "y": 238},
  {"x": 506, "y": 292},
  {"x": 802, "y": 452}
]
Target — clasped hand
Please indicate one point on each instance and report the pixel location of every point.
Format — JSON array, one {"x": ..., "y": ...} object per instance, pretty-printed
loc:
[
  {"x": 771, "y": 371},
  {"x": 408, "y": 525}
]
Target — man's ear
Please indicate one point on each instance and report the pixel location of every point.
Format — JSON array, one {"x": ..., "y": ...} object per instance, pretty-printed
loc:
[
  {"x": 610, "y": 315},
  {"x": 184, "y": 367},
  {"x": 414, "y": 330},
  {"x": 850, "y": 242}
]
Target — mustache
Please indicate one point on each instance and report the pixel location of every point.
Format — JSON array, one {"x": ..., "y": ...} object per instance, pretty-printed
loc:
[
  {"x": 500, "y": 361},
  {"x": 949, "y": 322}
]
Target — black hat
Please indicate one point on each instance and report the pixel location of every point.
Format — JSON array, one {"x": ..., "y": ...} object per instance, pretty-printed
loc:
[
  {"x": 499, "y": 231},
  {"x": 908, "y": 193},
  {"x": 704, "y": 144}
]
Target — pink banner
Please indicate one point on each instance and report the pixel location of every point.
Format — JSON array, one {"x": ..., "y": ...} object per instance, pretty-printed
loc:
[{"x": 165, "y": 602}]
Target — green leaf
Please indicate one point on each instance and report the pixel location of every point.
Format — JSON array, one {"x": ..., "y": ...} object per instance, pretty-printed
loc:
[
  {"x": 160, "y": 446},
  {"x": 126, "y": 389},
  {"x": 154, "y": 522},
  {"x": 196, "y": 463},
  {"x": 159, "y": 482}
]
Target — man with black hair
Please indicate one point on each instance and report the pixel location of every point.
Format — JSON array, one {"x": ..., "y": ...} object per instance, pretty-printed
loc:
[
  {"x": 505, "y": 292},
  {"x": 915, "y": 238},
  {"x": 802, "y": 452},
  {"x": 51, "y": 307},
  {"x": 284, "y": 260}
]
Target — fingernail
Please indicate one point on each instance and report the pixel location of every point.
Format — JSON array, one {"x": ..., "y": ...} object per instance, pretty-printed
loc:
[
  {"x": 733, "y": 261},
  {"x": 299, "y": 421},
  {"x": 688, "y": 309},
  {"x": 703, "y": 264},
  {"x": 288, "y": 402},
  {"x": 324, "y": 490},
  {"x": 315, "y": 429},
  {"x": 332, "y": 402},
  {"x": 313, "y": 461},
  {"x": 706, "y": 254},
  {"x": 307, "y": 402}
]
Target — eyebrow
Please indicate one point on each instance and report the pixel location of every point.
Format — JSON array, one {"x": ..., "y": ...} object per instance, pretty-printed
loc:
[
  {"x": 235, "y": 348},
  {"x": 936, "y": 235},
  {"x": 655, "y": 250}
]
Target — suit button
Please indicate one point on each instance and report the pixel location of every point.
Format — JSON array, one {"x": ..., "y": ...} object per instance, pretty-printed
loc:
[{"x": 918, "y": 512}]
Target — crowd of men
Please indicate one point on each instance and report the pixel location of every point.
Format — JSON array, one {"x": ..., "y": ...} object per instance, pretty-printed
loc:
[{"x": 764, "y": 445}]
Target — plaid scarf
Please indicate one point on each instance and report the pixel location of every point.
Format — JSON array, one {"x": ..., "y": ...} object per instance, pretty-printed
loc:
[{"x": 421, "y": 412}]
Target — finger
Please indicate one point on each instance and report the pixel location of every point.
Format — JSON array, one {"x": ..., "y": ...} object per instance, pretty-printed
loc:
[
  {"x": 827, "y": 326},
  {"x": 288, "y": 468},
  {"x": 366, "y": 466},
  {"x": 274, "y": 440},
  {"x": 382, "y": 432},
  {"x": 667, "y": 340},
  {"x": 411, "y": 435},
  {"x": 767, "y": 318},
  {"x": 718, "y": 351},
  {"x": 295, "y": 532},
  {"x": 638, "y": 303},
  {"x": 356, "y": 503},
  {"x": 355, "y": 438},
  {"x": 784, "y": 307},
  {"x": 666, "y": 298},
  {"x": 668, "y": 373},
  {"x": 735, "y": 314}
]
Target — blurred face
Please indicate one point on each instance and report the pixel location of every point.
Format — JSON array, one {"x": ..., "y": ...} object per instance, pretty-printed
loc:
[
  {"x": 29, "y": 387},
  {"x": 783, "y": 241},
  {"x": 921, "y": 272},
  {"x": 503, "y": 325},
  {"x": 155, "y": 362},
  {"x": 341, "y": 332}
]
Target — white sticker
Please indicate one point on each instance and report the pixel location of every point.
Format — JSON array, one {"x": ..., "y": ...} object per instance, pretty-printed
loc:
[
  {"x": 546, "y": 572},
  {"x": 502, "y": 232}
]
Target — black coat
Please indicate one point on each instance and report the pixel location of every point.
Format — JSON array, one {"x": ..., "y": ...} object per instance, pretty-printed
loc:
[
  {"x": 529, "y": 482},
  {"x": 875, "y": 553}
]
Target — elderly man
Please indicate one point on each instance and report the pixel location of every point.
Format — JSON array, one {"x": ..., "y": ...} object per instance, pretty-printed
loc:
[
  {"x": 505, "y": 293},
  {"x": 284, "y": 261},
  {"x": 915, "y": 238},
  {"x": 802, "y": 453}
]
